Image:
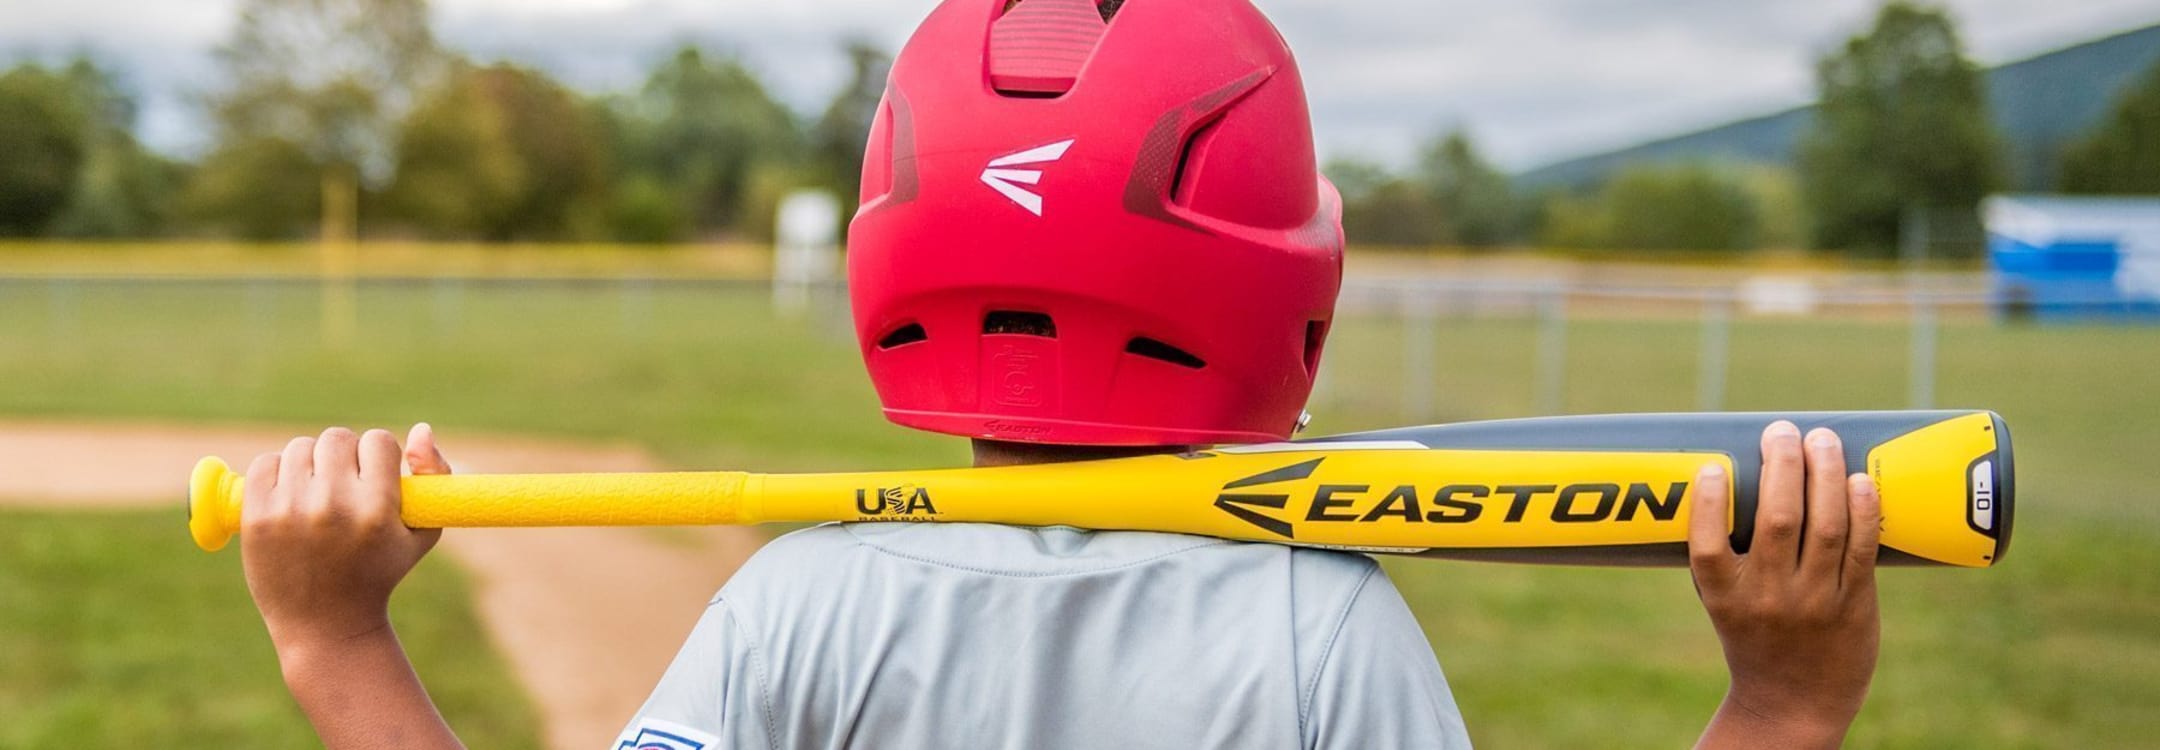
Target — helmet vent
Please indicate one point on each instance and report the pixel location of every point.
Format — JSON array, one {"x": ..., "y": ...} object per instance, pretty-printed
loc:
[
  {"x": 1180, "y": 192},
  {"x": 1152, "y": 349},
  {"x": 1039, "y": 46},
  {"x": 1016, "y": 323},
  {"x": 903, "y": 336},
  {"x": 1315, "y": 335},
  {"x": 1108, "y": 8}
]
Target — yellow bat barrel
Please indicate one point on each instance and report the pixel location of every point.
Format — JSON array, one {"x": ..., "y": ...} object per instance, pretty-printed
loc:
[{"x": 507, "y": 500}]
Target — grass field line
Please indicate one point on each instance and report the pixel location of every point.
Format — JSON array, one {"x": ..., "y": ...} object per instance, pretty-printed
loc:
[{"x": 587, "y": 618}]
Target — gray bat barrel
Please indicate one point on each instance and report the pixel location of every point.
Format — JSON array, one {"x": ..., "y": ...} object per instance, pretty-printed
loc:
[{"x": 1735, "y": 434}]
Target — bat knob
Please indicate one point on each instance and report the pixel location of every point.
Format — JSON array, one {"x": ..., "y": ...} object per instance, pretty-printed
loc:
[{"x": 213, "y": 504}]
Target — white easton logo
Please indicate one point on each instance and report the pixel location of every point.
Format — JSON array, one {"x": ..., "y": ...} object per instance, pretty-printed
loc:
[{"x": 1008, "y": 181}]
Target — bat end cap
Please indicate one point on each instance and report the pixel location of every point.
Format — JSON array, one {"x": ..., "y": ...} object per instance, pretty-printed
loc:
[
  {"x": 2006, "y": 484},
  {"x": 208, "y": 489}
]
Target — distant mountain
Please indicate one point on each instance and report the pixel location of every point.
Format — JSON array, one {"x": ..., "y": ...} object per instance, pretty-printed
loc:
[{"x": 2038, "y": 104}]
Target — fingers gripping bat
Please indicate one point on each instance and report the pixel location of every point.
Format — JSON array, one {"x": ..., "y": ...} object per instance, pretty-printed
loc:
[{"x": 1597, "y": 490}]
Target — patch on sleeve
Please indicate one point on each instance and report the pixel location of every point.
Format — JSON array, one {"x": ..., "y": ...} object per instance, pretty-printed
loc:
[{"x": 656, "y": 734}]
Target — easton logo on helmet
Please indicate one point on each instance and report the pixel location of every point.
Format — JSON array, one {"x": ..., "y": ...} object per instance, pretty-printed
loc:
[{"x": 1000, "y": 176}]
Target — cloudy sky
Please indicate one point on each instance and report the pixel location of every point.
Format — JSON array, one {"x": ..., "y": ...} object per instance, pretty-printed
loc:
[{"x": 1534, "y": 80}]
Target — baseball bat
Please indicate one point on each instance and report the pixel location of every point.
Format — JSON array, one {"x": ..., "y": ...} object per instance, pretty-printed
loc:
[{"x": 1591, "y": 490}]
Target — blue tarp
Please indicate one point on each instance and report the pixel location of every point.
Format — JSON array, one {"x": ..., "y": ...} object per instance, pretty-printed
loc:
[{"x": 2065, "y": 258}]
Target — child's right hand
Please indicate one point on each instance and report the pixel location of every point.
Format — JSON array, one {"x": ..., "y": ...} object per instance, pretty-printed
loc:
[{"x": 321, "y": 541}]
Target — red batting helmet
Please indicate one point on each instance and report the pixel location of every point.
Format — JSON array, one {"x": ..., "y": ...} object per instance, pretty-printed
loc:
[{"x": 1095, "y": 222}]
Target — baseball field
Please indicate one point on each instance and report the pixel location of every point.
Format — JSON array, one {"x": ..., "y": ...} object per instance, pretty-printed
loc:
[{"x": 118, "y": 633}]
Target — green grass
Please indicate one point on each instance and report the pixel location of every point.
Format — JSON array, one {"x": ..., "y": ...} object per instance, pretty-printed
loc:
[
  {"x": 2058, "y": 647},
  {"x": 118, "y": 633},
  {"x": 701, "y": 375}
]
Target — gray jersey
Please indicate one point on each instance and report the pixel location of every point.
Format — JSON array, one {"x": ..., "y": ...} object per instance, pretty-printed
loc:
[{"x": 978, "y": 636}]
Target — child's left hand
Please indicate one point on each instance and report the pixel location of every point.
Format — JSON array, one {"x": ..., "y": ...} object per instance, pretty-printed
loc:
[{"x": 1797, "y": 615}]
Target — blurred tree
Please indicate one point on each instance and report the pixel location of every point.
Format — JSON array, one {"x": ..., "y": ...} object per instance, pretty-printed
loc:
[
  {"x": 701, "y": 128},
  {"x": 635, "y": 206},
  {"x": 1356, "y": 179},
  {"x": 838, "y": 138},
  {"x": 1474, "y": 202},
  {"x": 41, "y": 148},
  {"x": 1381, "y": 208},
  {"x": 1572, "y": 220},
  {"x": 499, "y": 152},
  {"x": 1686, "y": 207},
  {"x": 122, "y": 190},
  {"x": 1902, "y": 126},
  {"x": 330, "y": 79},
  {"x": 1776, "y": 194},
  {"x": 256, "y": 188},
  {"x": 2122, "y": 154},
  {"x": 641, "y": 209}
]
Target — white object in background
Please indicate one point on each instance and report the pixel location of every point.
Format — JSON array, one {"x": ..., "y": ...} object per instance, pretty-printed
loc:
[
  {"x": 2137, "y": 274},
  {"x": 806, "y": 248},
  {"x": 1779, "y": 295}
]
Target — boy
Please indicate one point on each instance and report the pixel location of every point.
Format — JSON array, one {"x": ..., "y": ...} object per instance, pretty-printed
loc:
[{"x": 1089, "y": 229}]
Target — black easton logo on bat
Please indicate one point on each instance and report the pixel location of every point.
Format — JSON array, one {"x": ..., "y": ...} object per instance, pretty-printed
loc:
[
  {"x": 1241, "y": 504},
  {"x": 1586, "y": 502}
]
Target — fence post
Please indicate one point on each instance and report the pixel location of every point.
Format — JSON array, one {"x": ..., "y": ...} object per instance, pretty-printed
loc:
[
  {"x": 1920, "y": 391},
  {"x": 449, "y": 305},
  {"x": 1914, "y": 242},
  {"x": 1710, "y": 374},
  {"x": 60, "y": 306},
  {"x": 1421, "y": 358},
  {"x": 260, "y": 298},
  {"x": 635, "y": 306},
  {"x": 1552, "y": 352}
]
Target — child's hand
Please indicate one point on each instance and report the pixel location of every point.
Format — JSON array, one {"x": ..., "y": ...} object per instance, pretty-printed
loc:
[
  {"x": 1797, "y": 615},
  {"x": 322, "y": 543}
]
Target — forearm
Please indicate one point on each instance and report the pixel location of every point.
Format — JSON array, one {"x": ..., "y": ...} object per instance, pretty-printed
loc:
[
  {"x": 361, "y": 692},
  {"x": 1739, "y": 725}
]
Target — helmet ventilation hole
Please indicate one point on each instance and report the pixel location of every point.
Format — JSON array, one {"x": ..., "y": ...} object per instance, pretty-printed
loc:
[
  {"x": 903, "y": 336},
  {"x": 1153, "y": 349},
  {"x": 1179, "y": 192},
  {"x": 1315, "y": 335},
  {"x": 1016, "y": 323},
  {"x": 1108, "y": 8},
  {"x": 1022, "y": 94}
]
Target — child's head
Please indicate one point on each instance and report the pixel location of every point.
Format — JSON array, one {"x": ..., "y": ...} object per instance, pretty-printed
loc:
[{"x": 1096, "y": 224}]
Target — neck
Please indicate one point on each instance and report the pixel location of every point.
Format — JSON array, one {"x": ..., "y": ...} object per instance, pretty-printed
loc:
[{"x": 1000, "y": 453}]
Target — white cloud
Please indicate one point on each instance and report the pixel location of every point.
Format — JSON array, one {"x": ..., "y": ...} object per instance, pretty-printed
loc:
[{"x": 1534, "y": 79}]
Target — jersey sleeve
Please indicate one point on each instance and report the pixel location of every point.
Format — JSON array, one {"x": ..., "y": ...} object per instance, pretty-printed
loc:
[
  {"x": 712, "y": 696},
  {"x": 1379, "y": 685}
]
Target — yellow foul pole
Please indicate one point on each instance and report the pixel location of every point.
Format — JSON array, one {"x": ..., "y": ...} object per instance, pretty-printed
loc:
[{"x": 340, "y": 251}]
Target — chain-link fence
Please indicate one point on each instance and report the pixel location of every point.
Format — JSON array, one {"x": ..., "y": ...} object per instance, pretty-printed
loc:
[
  {"x": 1542, "y": 324},
  {"x": 1404, "y": 349}
]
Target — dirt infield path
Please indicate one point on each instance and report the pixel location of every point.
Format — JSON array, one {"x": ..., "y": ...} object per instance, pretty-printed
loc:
[{"x": 588, "y": 618}]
